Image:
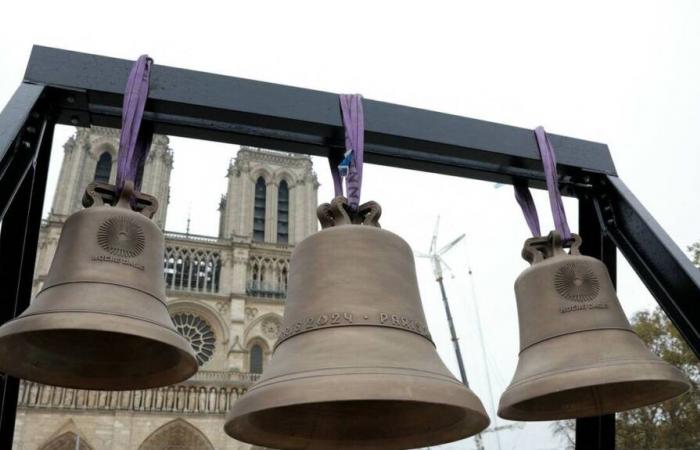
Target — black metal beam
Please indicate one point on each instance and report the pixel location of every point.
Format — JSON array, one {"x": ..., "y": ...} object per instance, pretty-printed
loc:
[
  {"x": 664, "y": 268},
  {"x": 595, "y": 433},
  {"x": 18, "y": 245},
  {"x": 228, "y": 109}
]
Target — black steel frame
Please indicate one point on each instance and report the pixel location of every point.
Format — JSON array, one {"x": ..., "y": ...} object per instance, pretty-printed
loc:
[{"x": 81, "y": 89}]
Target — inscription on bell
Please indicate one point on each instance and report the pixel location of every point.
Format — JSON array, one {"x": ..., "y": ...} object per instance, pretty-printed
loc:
[
  {"x": 115, "y": 260},
  {"x": 583, "y": 307},
  {"x": 345, "y": 318}
]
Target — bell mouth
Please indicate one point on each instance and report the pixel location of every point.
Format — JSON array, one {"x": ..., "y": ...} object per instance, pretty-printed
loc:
[
  {"x": 594, "y": 400},
  {"x": 358, "y": 424},
  {"x": 382, "y": 408},
  {"x": 611, "y": 371},
  {"x": 94, "y": 351}
]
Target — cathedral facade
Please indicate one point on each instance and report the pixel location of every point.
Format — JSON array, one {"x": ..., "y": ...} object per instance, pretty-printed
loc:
[{"x": 226, "y": 295}]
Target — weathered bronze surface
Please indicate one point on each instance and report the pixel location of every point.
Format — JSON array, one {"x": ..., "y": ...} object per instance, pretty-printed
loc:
[
  {"x": 354, "y": 366},
  {"x": 579, "y": 356},
  {"x": 100, "y": 320}
]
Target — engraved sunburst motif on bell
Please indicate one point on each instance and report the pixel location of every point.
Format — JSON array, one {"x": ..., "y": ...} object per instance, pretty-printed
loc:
[
  {"x": 121, "y": 236},
  {"x": 576, "y": 282}
]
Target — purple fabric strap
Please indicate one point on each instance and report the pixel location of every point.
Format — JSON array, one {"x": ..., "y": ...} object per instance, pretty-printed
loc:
[
  {"x": 354, "y": 123},
  {"x": 524, "y": 198},
  {"x": 334, "y": 158},
  {"x": 134, "y": 142}
]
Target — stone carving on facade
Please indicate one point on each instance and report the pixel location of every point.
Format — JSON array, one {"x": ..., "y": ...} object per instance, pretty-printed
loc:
[
  {"x": 183, "y": 398},
  {"x": 69, "y": 146},
  {"x": 66, "y": 438},
  {"x": 238, "y": 166},
  {"x": 271, "y": 327},
  {"x": 251, "y": 312},
  {"x": 273, "y": 157},
  {"x": 67, "y": 441},
  {"x": 223, "y": 307},
  {"x": 264, "y": 330},
  {"x": 177, "y": 435},
  {"x": 236, "y": 347}
]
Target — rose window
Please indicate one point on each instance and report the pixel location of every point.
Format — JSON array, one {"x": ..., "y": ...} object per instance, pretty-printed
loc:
[{"x": 199, "y": 334}]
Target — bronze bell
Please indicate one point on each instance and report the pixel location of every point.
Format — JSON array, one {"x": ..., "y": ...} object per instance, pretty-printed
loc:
[
  {"x": 100, "y": 319},
  {"x": 579, "y": 356},
  {"x": 354, "y": 366}
]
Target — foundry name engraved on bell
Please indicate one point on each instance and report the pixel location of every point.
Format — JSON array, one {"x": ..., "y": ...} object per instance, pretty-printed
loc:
[
  {"x": 116, "y": 260},
  {"x": 583, "y": 307}
]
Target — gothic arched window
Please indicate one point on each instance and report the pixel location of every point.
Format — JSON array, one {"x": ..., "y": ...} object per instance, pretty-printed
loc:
[
  {"x": 256, "y": 359},
  {"x": 176, "y": 435},
  {"x": 283, "y": 213},
  {"x": 259, "y": 211},
  {"x": 104, "y": 168},
  {"x": 67, "y": 441}
]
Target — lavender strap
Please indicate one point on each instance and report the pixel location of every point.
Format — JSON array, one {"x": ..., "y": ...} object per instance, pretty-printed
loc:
[
  {"x": 354, "y": 123},
  {"x": 550, "y": 172},
  {"x": 134, "y": 142},
  {"x": 334, "y": 159},
  {"x": 524, "y": 198}
]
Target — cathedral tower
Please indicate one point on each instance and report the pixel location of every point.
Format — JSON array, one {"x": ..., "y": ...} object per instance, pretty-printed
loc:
[
  {"x": 272, "y": 197},
  {"x": 91, "y": 155}
]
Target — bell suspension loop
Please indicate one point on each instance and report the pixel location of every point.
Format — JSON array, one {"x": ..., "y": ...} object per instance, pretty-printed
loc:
[
  {"x": 348, "y": 166},
  {"x": 524, "y": 197}
]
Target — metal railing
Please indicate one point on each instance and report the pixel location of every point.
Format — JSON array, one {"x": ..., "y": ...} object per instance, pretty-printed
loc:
[
  {"x": 194, "y": 237},
  {"x": 264, "y": 290}
]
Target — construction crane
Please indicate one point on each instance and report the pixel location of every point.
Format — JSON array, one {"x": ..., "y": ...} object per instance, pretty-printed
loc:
[
  {"x": 438, "y": 262},
  {"x": 496, "y": 427}
]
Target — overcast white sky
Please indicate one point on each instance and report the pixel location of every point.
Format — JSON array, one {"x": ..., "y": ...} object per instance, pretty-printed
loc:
[{"x": 625, "y": 73}]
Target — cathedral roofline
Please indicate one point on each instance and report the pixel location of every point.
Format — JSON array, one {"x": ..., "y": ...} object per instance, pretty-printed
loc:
[
  {"x": 94, "y": 130},
  {"x": 272, "y": 156}
]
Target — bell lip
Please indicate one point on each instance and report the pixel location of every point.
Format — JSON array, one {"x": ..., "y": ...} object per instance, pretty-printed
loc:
[
  {"x": 395, "y": 388},
  {"x": 630, "y": 372},
  {"x": 12, "y": 333}
]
